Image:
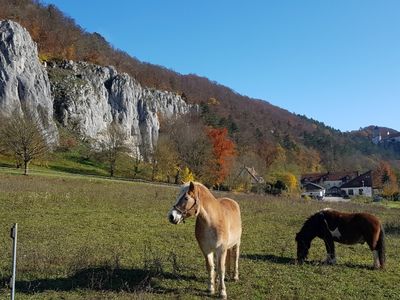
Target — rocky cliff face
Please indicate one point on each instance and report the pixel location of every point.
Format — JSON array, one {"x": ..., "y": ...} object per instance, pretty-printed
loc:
[
  {"x": 83, "y": 96},
  {"x": 88, "y": 98},
  {"x": 24, "y": 85}
]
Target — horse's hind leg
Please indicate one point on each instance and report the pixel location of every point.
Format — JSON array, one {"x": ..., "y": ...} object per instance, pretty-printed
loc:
[
  {"x": 235, "y": 251},
  {"x": 228, "y": 262},
  {"x": 211, "y": 272}
]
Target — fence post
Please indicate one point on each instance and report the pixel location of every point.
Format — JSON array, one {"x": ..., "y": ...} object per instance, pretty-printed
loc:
[{"x": 13, "y": 235}]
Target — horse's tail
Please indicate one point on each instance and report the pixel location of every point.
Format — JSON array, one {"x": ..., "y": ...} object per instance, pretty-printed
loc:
[{"x": 380, "y": 246}]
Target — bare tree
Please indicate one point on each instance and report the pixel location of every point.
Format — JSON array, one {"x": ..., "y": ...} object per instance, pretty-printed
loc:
[
  {"x": 22, "y": 137},
  {"x": 113, "y": 145},
  {"x": 193, "y": 147}
]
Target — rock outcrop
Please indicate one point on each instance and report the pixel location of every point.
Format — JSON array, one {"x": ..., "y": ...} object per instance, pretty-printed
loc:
[
  {"x": 87, "y": 98},
  {"x": 81, "y": 96},
  {"x": 24, "y": 85}
]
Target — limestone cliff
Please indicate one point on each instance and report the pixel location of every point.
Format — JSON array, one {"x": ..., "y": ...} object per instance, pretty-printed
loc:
[
  {"x": 24, "y": 85},
  {"x": 81, "y": 96},
  {"x": 88, "y": 97}
]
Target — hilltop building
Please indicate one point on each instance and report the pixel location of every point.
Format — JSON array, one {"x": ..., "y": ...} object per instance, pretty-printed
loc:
[{"x": 386, "y": 138}]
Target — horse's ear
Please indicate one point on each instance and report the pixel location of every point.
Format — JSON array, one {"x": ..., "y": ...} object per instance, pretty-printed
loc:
[{"x": 191, "y": 187}]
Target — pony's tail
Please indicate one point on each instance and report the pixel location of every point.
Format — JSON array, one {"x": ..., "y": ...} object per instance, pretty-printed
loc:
[{"x": 380, "y": 246}]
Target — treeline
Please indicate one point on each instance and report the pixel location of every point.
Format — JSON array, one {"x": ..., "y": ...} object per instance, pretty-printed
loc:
[{"x": 268, "y": 138}]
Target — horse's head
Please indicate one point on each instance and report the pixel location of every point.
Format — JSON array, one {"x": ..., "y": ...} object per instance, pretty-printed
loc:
[
  {"x": 186, "y": 205},
  {"x": 303, "y": 245}
]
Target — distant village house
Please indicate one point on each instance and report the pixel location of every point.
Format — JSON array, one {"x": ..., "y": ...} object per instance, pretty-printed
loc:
[
  {"x": 313, "y": 190},
  {"x": 340, "y": 183}
]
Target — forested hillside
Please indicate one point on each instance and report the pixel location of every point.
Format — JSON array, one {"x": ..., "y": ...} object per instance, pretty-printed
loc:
[{"x": 274, "y": 141}]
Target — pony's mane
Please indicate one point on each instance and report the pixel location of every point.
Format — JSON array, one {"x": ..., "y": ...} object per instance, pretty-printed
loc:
[
  {"x": 310, "y": 224},
  {"x": 314, "y": 219}
]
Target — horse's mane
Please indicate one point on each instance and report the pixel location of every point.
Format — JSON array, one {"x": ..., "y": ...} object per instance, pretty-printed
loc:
[{"x": 185, "y": 188}]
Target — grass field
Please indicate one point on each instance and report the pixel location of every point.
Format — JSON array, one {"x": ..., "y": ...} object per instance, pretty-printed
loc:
[{"x": 88, "y": 238}]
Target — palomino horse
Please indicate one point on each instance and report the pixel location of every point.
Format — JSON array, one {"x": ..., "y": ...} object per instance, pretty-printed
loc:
[
  {"x": 218, "y": 228},
  {"x": 346, "y": 228}
]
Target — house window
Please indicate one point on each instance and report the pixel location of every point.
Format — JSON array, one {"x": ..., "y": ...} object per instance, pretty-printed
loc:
[
  {"x": 351, "y": 192},
  {"x": 360, "y": 191}
]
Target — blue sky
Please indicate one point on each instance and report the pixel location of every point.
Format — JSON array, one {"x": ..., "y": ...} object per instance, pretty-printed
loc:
[{"x": 334, "y": 61}]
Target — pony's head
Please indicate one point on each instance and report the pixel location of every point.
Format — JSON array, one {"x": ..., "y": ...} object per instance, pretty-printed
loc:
[
  {"x": 186, "y": 205},
  {"x": 308, "y": 232},
  {"x": 303, "y": 245}
]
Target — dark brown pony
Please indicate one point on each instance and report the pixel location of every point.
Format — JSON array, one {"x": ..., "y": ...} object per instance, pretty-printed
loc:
[{"x": 346, "y": 228}]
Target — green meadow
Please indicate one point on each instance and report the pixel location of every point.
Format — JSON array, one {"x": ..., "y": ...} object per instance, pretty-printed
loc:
[{"x": 90, "y": 238}]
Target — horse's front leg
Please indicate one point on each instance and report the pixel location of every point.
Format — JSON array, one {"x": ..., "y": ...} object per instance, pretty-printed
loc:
[
  {"x": 221, "y": 258},
  {"x": 330, "y": 251},
  {"x": 211, "y": 272}
]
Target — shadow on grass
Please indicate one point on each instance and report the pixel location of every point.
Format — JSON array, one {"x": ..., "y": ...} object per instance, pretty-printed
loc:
[
  {"x": 270, "y": 257},
  {"x": 103, "y": 279},
  {"x": 7, "y": 165},
  {"x": 75, "y": 170},
  {"x": 359, "y": 266}
]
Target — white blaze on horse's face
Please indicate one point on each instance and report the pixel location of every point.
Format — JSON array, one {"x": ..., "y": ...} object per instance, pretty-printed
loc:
[
  {"x": 174, "y": 216},
  {"x": 184, "y": 207}
]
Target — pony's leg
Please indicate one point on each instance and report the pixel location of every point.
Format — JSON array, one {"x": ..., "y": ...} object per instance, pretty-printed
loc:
[
  {"x": 377, "y": 265},
  {"x": 330, "y": 251},
  {"x": 376, "y": 244},
  {"x": 211, "y": 272},
  {"x": 221, "y": 257},
  {"x": 236, "y": 258}
]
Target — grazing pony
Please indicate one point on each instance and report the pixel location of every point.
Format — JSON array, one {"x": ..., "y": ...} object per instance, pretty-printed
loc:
[
  {"x": 218, "y": 228},
  {"x": 346, "y": 228}
]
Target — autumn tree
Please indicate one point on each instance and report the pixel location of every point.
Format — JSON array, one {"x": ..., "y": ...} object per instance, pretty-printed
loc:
[
  {"x": 22, "y": 136},
  {"x": 223, "y": 151},
  {"x": 187, "y": 175},
  {"x": 384, "y": 178},
  {"x": 289, "y": 180},
  {"x": 165, "y": 160},
  {"x": 113, "y": 145},
  {"x": 268, "y": 152}
]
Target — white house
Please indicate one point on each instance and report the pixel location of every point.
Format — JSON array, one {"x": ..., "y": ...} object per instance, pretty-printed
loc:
[
  {"x": 359, "y": 186},
  {"x": 313, "y": 190},
  {"x": 331, "y": 181}
]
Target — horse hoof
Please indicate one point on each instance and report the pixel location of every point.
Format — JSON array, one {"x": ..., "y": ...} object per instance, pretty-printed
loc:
[
  {"x": 223, "y": 295},
  {"x": 236, "y": 278}
]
